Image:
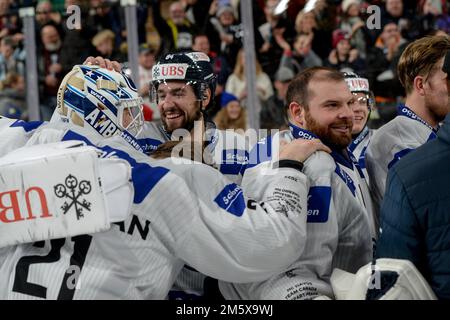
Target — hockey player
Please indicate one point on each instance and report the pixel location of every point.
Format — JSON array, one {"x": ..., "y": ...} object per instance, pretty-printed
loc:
[
  {"x": 181, "y": 213},
  {"x": 183, "y": 88},
  {"x": 338, "y": 226},
  {"x": 364, "y": 103},
  {"x": 426, "y": 105}
]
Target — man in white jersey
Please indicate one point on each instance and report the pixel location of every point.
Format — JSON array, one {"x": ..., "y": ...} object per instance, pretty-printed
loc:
[
  {"x": 181, "y": 212},
  {"x": 426, "y": 105},
  {"x": 174, "y": 75},
  {"x": 364, "y": 103},
  {"x": 338, "y": 226}
]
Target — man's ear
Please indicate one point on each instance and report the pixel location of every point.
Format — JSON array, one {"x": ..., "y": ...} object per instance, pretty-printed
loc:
[
  {"x": 296, "y": 113},
  {"x": 418, "y": 85},
  {"x": 207, "y": 98}
]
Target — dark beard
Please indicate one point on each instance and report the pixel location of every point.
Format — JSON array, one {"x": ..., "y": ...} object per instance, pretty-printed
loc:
[
  {"x": 326, "y": 136},
  {"x": 188, "y": 123}
]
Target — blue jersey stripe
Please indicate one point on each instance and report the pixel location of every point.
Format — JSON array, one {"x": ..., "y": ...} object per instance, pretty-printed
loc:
[
  {"x": 27, "y": 126},
  {"x": 144, "y": 176}
]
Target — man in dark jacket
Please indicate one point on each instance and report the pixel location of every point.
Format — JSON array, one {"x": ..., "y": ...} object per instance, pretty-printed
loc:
[{"x": 415, "y": 216}]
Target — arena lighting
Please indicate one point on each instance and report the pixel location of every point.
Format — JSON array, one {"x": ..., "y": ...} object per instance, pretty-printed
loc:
[
  {"x": 310, "y": 5},
  {"x": 281, "y": 7}
]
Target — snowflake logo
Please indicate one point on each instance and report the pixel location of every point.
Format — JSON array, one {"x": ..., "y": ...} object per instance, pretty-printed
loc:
[
  {"x": 73, "y": 190},
  {"x": 156, "y": 73}
]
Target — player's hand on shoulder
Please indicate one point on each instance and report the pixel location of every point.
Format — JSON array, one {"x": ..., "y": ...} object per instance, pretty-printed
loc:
[{"x": 300, "y": 149}]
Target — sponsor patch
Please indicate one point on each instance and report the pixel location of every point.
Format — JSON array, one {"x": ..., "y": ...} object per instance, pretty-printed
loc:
[
  {"x": 319, "y": 199},
  {"x": 169, "y": 71},
  {"x": 357, "y": 84},
  {"x": 231, "y": 199}
]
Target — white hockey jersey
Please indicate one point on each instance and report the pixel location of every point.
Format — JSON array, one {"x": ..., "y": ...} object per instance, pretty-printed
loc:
[
  {"x": 358, "y": 148},
  {"x": 226, "y": 150},
  {"x": 338, "y": 232},
  {"x": 183, "y": 212},
  {"x": 389, "y": 144},
  {"x": 15, "y": 133}
]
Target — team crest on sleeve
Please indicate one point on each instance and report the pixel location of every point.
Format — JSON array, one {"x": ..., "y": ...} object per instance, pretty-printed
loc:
[{"x": 72, "y": 191}]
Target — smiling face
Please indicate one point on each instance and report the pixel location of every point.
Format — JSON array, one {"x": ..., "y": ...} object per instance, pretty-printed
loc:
[
  {"x": 360, "y": 111},
  {"x": 178, "y": 105},
  {"x": 233, "y": 110},
  {"x": 329, "y": 114}
]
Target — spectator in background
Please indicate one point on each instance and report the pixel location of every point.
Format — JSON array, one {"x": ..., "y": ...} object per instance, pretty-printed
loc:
[
  {"x": 12, "y": 96},
  {"x": 177, "y": 31},
  {"x": 105, "y": 15},
  {"x": 432, "y": 17},
  {"x": 273, "y": 112},
  {"x": 276, "y": 29},
  {"x": 395, "y": 11},
  {"x": 224, "y": 32},
  {"x": 220, "y": 67},
  {"x": 50, "y": 69},
  {"x": 45, "y": 14},
  {"x": 146, "y": 62},
  {"x": 232, "y": 115},
  {"x": 104, "y": 44},
  {"x": 219, "y": 63},
  {"x": 77, "y": 41},
  {"x": 12, "y": 59},
  {"x": 195, "y": 11},
  {"x": 305, "y": 23},
  {"x": 382, "y": 63},
  {"x": 237, "y": 83},
  {"x": 302, "y": 56},
  {"x": 10, "y": 23},
  {"x": 353, "y": 24},
  {"x": 343, "y": 57}
]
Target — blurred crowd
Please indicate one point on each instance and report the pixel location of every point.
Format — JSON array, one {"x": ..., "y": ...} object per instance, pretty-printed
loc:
[{"x": 330, "y": 33}]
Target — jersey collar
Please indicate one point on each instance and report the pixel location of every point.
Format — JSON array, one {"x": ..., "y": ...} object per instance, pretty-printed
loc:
[
  {"x": 359, "y": 139},
  {"x": 403, "y": 110}
]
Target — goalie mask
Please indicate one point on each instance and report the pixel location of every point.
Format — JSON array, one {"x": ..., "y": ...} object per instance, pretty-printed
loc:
[
  {"x": 100, "y": 100},
  {"x": 192, "y": 68}
]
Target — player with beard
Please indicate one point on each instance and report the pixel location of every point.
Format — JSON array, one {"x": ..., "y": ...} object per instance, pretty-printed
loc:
[
  {"x": 427, "y": 104},
  {"x": 339, "y": 227},
  {"x": 183, "y": 89},
  {"x": 181, "y": 212}
]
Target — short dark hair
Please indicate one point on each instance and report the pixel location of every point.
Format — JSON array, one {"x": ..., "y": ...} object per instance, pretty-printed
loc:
[{"x": 298, "y": 88}]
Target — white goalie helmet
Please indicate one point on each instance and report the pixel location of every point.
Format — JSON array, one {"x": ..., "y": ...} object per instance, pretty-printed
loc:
[{"x": 103, "y": 101}]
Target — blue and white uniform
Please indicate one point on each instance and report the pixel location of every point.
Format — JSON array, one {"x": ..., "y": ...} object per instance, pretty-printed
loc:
[
  {"x": 358, "y": 148},
  {"x": 15, "y": 133},
  {"x": 406, "y": 132},
  {"x": 225, "y": 151},
  {"x": 182, "y": 213},
  {"x": 338, "y": 227}
]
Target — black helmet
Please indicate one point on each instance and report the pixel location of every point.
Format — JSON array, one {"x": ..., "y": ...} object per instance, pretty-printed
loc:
[
  {"x": 358, "y": 84},
  {"x": 193, "y": 68}
]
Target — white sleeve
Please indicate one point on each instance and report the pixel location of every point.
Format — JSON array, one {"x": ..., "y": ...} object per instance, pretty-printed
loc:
[
  {"x": 15, "y": 134},
  {"x": 236, "y": 239}
]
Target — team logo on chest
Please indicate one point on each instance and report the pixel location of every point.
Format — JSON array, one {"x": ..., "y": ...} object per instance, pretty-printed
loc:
[{"x": 73, "y": 190}]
